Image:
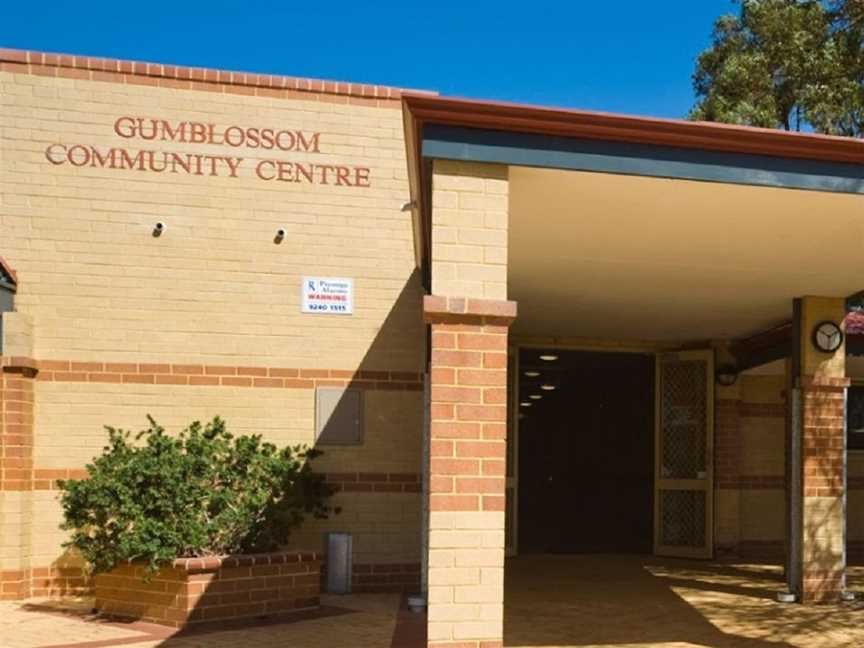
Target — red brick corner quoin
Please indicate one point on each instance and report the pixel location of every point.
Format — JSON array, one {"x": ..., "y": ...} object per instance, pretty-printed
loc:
[
  {"x": 197, "y": 590},
  {"x": 468, "y": 402},
  {"x": 467, "y": 469}
]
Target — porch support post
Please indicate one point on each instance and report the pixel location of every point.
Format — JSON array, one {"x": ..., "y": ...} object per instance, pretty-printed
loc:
[
  {"x": 17, "y": 397},
  {"x": 469, "y": 319},
  {"x": 817, "y": 482}
]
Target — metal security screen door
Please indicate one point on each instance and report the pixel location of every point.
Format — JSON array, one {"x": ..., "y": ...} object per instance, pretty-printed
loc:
[{"x": 683, "y": 492}]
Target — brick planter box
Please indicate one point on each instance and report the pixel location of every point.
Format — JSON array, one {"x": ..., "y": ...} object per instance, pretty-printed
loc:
[{"x": 198, "y": 590}]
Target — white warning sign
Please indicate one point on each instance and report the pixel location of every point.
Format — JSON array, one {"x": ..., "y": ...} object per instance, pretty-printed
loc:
[{"x": 332, "y": 295}]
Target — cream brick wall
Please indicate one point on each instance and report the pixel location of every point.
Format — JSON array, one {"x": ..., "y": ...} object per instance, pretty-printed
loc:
[
  {"x": 70, "y": 418},
  {"x": 466, "y": 560},
  {"x": 750, "y": 493},
  {"x": 763, "y": 452},
  {"x": 214, "y": 287},
  {"x": 16, "y": 524},
  {"x": 763, "y": 446},
  {"x": 467, "y": 405},
  {"x": 95, "y": 285},
  {"x": 69, "y": 432},
  {"x": 385, "y": 529},
  {"x": 762, "y": 515},
  {"x": 469, "y": 230},
  {"x": 17, "y": 329}
]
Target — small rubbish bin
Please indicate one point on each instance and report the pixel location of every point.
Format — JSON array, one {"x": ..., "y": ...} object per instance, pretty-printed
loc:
[{"x": 339, "y": 563}]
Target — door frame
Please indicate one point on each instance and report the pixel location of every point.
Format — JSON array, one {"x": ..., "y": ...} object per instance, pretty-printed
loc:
[
  {"x": 514, "y": 349},
  {"x": 706, "y": 485}
]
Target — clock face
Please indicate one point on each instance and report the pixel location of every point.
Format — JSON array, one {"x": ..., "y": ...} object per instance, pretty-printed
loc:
[{"x": 827, "y": 337}]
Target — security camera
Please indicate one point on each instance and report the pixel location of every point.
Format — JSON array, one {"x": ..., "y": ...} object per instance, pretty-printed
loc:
[
  {"x": 158, "y": 228},
  {"x": 280, "y": 235}
]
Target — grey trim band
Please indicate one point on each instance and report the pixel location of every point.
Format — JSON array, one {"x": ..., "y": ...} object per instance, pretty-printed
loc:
[{"x": 546, "y": 151}]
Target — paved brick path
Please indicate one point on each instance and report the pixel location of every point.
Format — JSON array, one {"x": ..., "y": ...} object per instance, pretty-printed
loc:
[
  {"x": 357, "y": 621},
  {"x": 569, "y": 602},
  {"x": 643, "y": 602}
]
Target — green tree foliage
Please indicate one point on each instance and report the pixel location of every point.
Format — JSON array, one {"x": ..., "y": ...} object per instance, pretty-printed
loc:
[
  {"x": 788, "y": 64},
  {"x": 155, "y": 497}
]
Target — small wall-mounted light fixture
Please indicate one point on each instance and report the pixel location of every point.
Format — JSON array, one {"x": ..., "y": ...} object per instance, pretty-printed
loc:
[
  {"x": 532, "y": 374},
  {"x": 726, "y": 375},
  {"x": 280, "y": 236},
  {"x": 158, "y": 228}
]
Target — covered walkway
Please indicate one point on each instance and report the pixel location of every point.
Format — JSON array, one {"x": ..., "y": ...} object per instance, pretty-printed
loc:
[{"x": 646, "y": 602}]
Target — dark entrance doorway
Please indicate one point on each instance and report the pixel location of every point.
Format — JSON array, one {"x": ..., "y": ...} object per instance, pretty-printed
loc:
[{"x": 586, "y": 452}]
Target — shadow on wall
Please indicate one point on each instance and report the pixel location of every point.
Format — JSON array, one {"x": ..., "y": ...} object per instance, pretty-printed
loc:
[
  {"x": 369, "y": 426},
  {"x": 370, "y": 431}
]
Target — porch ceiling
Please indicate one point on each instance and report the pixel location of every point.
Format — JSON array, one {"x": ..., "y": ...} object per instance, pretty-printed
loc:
[{"x": 614, "y": 256}]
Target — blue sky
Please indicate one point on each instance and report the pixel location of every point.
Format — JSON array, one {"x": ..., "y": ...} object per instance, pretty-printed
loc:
[{"x": 627, "y": 56}]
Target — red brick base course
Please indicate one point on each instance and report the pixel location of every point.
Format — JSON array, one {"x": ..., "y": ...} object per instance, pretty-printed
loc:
[
  {"x": 192, "y": 591},
  {"x": 386, "y": 577}
]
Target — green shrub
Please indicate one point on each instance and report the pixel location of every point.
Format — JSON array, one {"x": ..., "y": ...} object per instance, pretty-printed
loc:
[{"x": 156, "y": 497}]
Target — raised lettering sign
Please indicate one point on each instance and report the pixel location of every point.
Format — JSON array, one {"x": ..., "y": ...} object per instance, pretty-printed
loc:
[{"x": 277, "y": 140}]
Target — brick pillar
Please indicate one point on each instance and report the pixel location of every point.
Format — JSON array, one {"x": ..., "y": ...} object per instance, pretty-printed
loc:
[
  {"x": 16, "y": 475},
  {"x": 467, "y": 470},
  {"x": 819, "y": 518},
  {"x": 469, "y": 317}
]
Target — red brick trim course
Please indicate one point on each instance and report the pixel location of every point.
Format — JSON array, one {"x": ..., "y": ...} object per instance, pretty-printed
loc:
[
  {"x": 763, "y": 410},
  {"x": 757, "y": 551},
  {"x": 454, "y": 310},
  {"x": 466, "y": 644},
  {"x": 386, "y": 577},
  {"x": 222, "y": 375},
  {"x": 347, "y": 482},
  {"x": 194, "y": 78},
  {"x": 753, "y": 482},
  {"x": 16, "y": 424},
  {"x": 468, "y": 405},
  {"x": 360, "y": 482}
]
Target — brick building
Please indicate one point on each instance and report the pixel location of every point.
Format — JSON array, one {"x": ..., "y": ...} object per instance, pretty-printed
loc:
[{"x": 340, "y": 265}]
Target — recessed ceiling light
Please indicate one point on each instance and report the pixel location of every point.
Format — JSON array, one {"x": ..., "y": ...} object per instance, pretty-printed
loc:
[
  {"x": 535, "y": 397},
  {"x": 548, "y": 387},
  {"x": 532, "y": 374},
  {"x": 549, "y": 357},
  {"x": 525, "y": 404}
]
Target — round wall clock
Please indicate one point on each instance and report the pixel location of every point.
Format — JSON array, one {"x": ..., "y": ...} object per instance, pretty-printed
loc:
[{"x": 827, "y": 337}]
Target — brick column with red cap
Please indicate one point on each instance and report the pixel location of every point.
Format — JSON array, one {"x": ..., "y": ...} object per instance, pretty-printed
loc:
[
  {"x": 818, "y": 498},
  {"x": 468, "y": 434},
  {"x": 16, "y": 474}
]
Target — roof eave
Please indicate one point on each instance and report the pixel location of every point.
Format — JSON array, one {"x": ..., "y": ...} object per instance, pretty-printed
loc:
[
  {"x": 421, "y": 109},
  {"x": 708, "y": 136}
]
